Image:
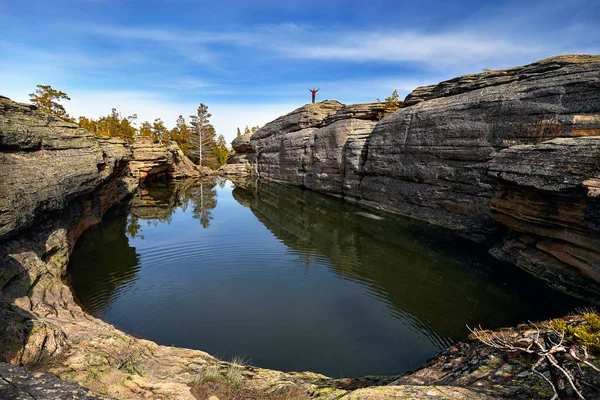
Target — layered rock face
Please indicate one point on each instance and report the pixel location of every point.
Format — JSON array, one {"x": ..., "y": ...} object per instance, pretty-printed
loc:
[
  {"x": 319, "y": 146},
  {"x": 445, "y": 157},
  {"x": 548, "y": 197},
  {"x": 159, "y": 161},
  {"x": 429, "y": 159},
  {"x": 45, "y": 163}
]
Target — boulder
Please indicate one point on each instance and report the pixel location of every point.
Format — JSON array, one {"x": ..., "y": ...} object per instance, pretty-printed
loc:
[
  {"x": 241, "y": 144},
  {"x": 239, "y": 162},
  {"x": 161, "y": 161}
]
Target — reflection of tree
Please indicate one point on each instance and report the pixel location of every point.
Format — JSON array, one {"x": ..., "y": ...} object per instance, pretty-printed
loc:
[
  {"x": 204, "y": 199},
  {"x": 133, "y": 227},
  {"x": 156, "y": 203}
]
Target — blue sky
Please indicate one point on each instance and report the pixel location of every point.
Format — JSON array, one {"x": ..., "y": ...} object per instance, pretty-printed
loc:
[{"x": 251, "y": 61}]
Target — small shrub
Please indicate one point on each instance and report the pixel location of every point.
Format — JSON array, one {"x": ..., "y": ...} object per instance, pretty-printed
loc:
[
  {"x": 391, "y": 104},
  {"x": 588, "y": 333},
  {"x": 234, "y": 373},
  {"x": 558, "y": 325},
  {"x": 209, "y": 373}
]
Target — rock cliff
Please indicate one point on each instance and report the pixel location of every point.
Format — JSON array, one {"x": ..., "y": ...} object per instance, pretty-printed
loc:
[
  {"x": 46, "y": 162},
  {"x": 547, "y": 197},
  {"x": 448, "y": 157}
]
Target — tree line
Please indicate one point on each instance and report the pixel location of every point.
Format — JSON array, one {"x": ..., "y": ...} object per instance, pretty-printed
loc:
[
  {"x": 247, "y": 130},
  {"x": 197, "y": 139}
]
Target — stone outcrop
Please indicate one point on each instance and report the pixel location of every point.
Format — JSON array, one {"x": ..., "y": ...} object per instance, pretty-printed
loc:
[
  {"x": 18, "y": 383},
  {"x": 241, "y": 144},
  {"x": 316, "y": 146},
  {"x": 161, "y": 161},
  {"x": 239, "y": 162},
  {"x": 431, "y": 159}
]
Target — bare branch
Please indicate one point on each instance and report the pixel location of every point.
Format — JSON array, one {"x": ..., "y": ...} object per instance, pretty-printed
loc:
[{"x": 553, "y": 361}]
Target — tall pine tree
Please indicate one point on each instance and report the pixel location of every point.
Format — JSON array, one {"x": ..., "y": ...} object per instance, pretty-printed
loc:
[{"x": 202, "y": 144}]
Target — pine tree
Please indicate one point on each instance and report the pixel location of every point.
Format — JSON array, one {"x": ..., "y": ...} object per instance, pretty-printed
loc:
[
  {"x": 159, "y": 130},
  {"x": 108, "y": 126},
  {"x": 146, "y": 130},
  {"x": 221, "y": 151},
  {"x": 239, "y": 133},
  {"x": 127, "y": 130},
  {"x": 113, "y": 125},
  {"x": 391, "y": 104},
  {"x": 88, "y": 124},
  {"x": 47, "y": 100},
  {"x": 203, "y": 137},
  {"x": 246, "y": 130},
  {"x": 181, "y": 134}
]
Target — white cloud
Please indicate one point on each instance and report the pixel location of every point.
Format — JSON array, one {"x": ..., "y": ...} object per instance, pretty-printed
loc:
[
  {"x": 395, "y": 46},
  {"x": 289, "y": 40}
]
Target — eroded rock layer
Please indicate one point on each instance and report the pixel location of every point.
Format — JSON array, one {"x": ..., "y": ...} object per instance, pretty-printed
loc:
[
  {"x": 548, "y": 199},
  {"x": 316, "y": 144},
  {"x": 449, "y": 155}
]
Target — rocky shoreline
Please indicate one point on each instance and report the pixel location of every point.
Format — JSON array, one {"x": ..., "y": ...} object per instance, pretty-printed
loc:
[{"x": 58, "y": 180}]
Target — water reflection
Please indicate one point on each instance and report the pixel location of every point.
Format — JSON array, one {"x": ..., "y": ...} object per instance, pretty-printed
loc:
[
  {"x": 156, "y": 203},
  {"x": 102, "y": 275},
  {"x": 420, "y": 271},
  {"x": 293, "y": 279},
  {"x": 107, "y": 264}
]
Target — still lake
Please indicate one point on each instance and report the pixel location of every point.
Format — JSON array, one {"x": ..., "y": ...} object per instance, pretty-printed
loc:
[{"x": 294, "y": 280}]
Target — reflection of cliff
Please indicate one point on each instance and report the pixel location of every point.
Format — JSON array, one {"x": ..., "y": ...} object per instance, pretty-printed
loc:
[
  {"x": 424, "y": 273},
  {"x": 103, "y": 263}
]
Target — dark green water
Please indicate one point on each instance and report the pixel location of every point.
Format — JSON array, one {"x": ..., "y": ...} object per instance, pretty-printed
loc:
[{"x": 294, "y": 280}]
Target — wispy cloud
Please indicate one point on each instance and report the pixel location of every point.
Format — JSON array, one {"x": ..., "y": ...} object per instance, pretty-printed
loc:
[
  {"x": 305, "y": 42},
  {"x": 183, "y": 83},
  {"x": 398, "y": 46},
  {"x": 170, "y": 35}
]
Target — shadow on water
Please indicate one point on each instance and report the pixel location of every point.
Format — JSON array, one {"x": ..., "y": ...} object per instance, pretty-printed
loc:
[{"x": 295, "y": 280}]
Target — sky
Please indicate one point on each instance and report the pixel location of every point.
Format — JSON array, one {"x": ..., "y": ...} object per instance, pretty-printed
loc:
[{"x": 251, "y": 61}]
